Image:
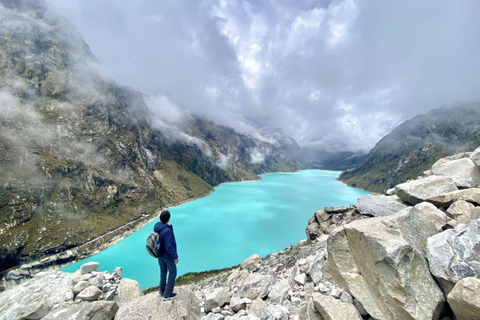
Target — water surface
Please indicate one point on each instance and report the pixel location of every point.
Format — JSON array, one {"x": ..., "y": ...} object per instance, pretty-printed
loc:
[{"x": 232, "y": 223}]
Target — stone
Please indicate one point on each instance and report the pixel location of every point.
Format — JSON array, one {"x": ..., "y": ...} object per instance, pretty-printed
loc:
[
  {"x": 275, "y": 312},
  {"x": 118, "y": 272},
  {"x": 386, "y": 251},
  {"x": 312, "y": 231},
  {"x": 152, "y": 306},
  {"x": 99, "y": 310},
  {"x": 379, "y": 205},
  {"x": 464, "y": 299},
  {"x": 33, "y": 311},
  {"x": 360, "y": 308},
  {"x": 471, "y": 195},
  {"x": 463, "y": 172},
  {"x": 237, "y": 304},
  {"x": 96, "y": 281},
  {"x": 90, "y": 293},
  {"x": 279, "y": 292},
  {"x": 256, "y": 285},
  {"x": 416, "y": 191},
  {"x": 321, "y": 216},
  {"x": 462, "y": 211},
  {"x": 128, "y": 290},
  {"x": 308, "y": 312},
  {"x": 217, "y": 298},
  {"x": 316, "y": 270},
  {"x": 334, "y": 309},
  {"x": 257, "y": 307},
  {"x": 80, "y": 286},
  {"x": 301, "y": 279},
  {"x": 475, "y": 157},
  {"x": 455, "y": 254},
  {"x": 89, "y": 267},
  {"x": 335, "y": 210},
  {"x": 346, "y": 297},
  {"x": 250, "y": 263},
  {"x": 213, "y": 316}
]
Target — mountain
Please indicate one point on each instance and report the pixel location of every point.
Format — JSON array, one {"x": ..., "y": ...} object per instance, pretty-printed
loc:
[
  {"x": 79, "y": 154},
  {"x": 415, "y": 145}
]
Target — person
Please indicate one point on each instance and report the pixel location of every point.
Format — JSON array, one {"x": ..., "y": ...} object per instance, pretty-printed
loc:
[{"x": 167, "y": 256}]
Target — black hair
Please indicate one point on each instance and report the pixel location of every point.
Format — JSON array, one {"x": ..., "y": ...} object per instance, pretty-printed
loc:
[{"x": 165, "y": 216}]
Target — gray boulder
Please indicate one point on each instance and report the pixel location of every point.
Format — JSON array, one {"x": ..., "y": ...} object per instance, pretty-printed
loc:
[
  {"x": 152, "y": 306},
  {"x": 90, "y": 293},
  {"x": 313, "y": 231},
  {"x": 250, "y": 263},
  {"x": 89, "y": 267},
  {"x": 416, "y": 191},
  {"x": 98, "y": 310},
  {"x": 257, "y": 308},
  {"x": 309, "y": 312},
  {"x": 334, "y": 309},
  {"x": 462, "y": 211},
  {"x": 387, "y": 252},
  {"x": 464, "y": 299},
  {"x": 237, "y": 304},
  {"x": 471, "y": 195},
  {"x": 379, "y": 205},
  {"x": 279, "y": 291},
  {"x": 463, "y": 172},
  {"x": 316, "y": 270},
  {"x": 455, "y": 254},
  {"x": 128, "y": 290},
  {"x": 80, "y": 286},
  {"x": 475, "y": 157},
  {"x": 217, "y": 298},
  {"x": 275, "y": 312}
]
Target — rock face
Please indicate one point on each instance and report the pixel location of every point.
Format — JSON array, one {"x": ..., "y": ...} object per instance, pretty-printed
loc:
[
  {"x": 465, "y": 300},
  {"x": 445, "y": 200},
  {"x": 416, "y": 191},
  {"x": 463, "y": 172},
  {"x": 455, "y": 254},
  {"x": 152, "y": 306}
]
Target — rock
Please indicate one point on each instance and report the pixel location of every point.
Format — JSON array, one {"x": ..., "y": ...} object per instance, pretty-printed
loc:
[
  {"x": 237, "y": 304},
  {"x": 256, "y": 285},
  {"x": 152, "y": 306},
  {"x": 335, "y": 210},
  {"x": 313, "y": 231},
  {"x": 250, "y": 263},
  {"x": 462, "y": 211},
  {"x": 33, "y": 311},
  {"x": 379, "y": 205},
  {"x": 80, "y": 286},
  {"x": 275, "y": 312},
  {"x": 334, "y": 309},
  {"x": 89, "y": 267},
  {"x": 386, "y": 252},
  {"x": 316, "y": 270},
  {"x": 321, "y": 216},
  {"x": 99, "y": 310},
  {"x": 118, "y": 272},
  {"x": 257, "y": 307},
  {"x": 308, "y": 312},
  {"x": 360, "y": 308},
  {"x": 463, "y": 172},
  {"x": 217, "y": 298},
  {"x": 454, "y": 254},
  {"x": 416, "y": 191},
  {"x": 471, "y": 195},
  {"x": 301, "y": 279},
  {"x": 213, "y": 316},
  {"x": 90, "y": 293},
  {"x": 279, "y": 292},
  {"x": 346, "y": 297},
  {"x": 464, "y": 299},
  {"x": 128, "y": 290},
  {"x": 475, "y": 157},
  {"x": 96, "y": 281}
]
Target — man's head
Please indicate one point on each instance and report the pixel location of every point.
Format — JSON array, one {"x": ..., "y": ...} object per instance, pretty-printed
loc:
[{"x": 165, "y": 216}]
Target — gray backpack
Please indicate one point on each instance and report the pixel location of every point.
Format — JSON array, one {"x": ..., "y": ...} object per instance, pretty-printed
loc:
[{"x": 153, "y": 244}]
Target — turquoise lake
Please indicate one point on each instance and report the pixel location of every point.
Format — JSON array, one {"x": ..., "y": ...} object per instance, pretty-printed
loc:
[{"x": 232, "y": 223}]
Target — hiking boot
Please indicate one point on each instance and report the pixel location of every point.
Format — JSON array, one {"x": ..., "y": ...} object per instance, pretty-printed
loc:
[
  {"x": 170, "y": 298},
  {"x": 161, "y": 293}
]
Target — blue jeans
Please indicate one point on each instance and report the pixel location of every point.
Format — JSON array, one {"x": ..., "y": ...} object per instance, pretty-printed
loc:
[{"x": 169, "y": 266}]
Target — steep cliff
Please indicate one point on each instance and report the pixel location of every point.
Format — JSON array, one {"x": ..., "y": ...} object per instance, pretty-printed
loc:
[
  {"x": 415, "y": 145},
  {"x": 79, "y": 156}
]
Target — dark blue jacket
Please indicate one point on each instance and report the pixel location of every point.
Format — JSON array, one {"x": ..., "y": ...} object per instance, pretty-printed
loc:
[{"x": 168, "y": 245}]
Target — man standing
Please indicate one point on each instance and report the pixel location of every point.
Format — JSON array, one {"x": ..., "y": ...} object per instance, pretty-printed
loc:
[{"x": 167, "y": 256}]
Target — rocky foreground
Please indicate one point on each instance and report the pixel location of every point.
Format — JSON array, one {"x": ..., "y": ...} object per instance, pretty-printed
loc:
[{"x": 413, "y": 253}]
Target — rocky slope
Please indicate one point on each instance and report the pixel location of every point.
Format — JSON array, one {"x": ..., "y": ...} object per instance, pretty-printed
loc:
[
  {"x": 415, "y": 145},
  {"x": 79, "y": 156},
  {"x": 410, "y": 254}
]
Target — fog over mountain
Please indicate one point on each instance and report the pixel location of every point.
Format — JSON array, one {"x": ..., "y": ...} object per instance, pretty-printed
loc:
[{"x": 335, "y": 75}]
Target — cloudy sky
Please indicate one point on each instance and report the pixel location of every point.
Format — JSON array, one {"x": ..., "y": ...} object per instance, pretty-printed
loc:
[{"x": 337, "y": 75}]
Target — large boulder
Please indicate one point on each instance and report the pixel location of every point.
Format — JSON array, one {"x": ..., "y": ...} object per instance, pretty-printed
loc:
[
  {"x": 279, "y": 291},
  {"x": 379, "y": 261},
  {"x": 416, "y": 191},
  {"x": 463, "y": 211},
  {"x": 475, "y": 157},
  {"x": 471, "y": 195},
  {"x": 463, "y": 172},
  {"x": 89, "y": 267},
  {"x": 251, "y": 262},
  {"x": 217, "y": 298},
  {"x": 128, "y": 290},
  {"x": 152, "y": 306},
  {"x": 90, "y": 293},
  {"x": 464, "y": 299},
  {"x": 275, "y": 312},
  {"x": 455, "y": 254},
  {"x": 316, "y": 269},
  {"x": 334, "y": 309},
  {"x": 379, "y": 205}
]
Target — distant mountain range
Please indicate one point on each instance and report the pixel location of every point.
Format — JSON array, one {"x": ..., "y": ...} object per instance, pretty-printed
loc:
[
  {"x": 79, "y": 154},
  {"x": 415, "y": 145}
]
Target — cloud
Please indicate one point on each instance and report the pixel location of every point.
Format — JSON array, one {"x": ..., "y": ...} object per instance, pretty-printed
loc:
[{"x": 334, "y": 74}]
